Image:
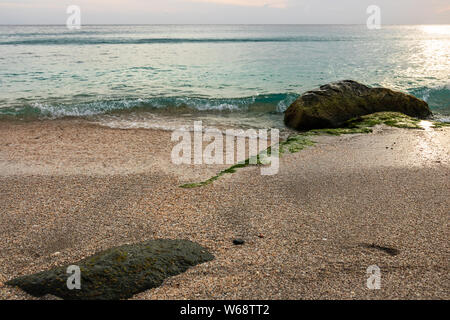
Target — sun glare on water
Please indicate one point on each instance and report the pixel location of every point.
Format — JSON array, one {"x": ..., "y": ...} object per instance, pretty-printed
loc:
[{"x": 435, "y": 29}]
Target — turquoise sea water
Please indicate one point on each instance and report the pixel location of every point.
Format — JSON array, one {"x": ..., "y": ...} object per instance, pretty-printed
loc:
[{"x": 159, "y": 76}]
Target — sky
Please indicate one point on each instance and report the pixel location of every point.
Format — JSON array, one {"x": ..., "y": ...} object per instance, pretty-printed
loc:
[{"x": 225, "y": 11}]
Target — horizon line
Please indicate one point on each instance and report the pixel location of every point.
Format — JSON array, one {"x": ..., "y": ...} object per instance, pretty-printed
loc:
[{"x": 224, "y": 24}]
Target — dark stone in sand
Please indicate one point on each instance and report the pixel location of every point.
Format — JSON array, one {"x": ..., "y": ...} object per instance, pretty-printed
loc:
[
  {"x": 331, "y": 105},
  {"x": 238, "y": 242},
  {"x": 119, "y": 273}
]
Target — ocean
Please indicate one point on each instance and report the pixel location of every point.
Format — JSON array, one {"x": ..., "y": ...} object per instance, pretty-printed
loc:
[{"x": 163, "y": 76}]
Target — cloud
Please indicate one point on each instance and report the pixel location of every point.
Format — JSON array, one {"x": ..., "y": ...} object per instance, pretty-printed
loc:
[
  {"x": 248, "y": 3},
  {"x": 443, "y": 10},
  {"x": 25, "y": 5}
]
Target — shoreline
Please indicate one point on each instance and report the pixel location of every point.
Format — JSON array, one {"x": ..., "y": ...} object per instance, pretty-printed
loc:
[{"x": 70, "y": 189}]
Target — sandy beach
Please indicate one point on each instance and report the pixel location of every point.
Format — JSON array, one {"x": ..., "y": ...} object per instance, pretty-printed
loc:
[{"x": 69, "y": 189}]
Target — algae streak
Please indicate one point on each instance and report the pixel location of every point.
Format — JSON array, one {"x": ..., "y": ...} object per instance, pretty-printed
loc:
[{"x": 300, "y": 141}]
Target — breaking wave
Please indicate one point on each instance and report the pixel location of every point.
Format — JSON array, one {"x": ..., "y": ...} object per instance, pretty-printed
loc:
[{"x": 274, "y": 103}]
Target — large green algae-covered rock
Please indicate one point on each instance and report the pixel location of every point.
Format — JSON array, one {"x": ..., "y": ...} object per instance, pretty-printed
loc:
[
  {"x": 333, "y": 104},
  {"x": 119, "y": 273}
]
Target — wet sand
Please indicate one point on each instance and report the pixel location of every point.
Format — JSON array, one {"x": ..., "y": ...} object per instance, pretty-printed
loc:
[{"x": 69, "y": 189}]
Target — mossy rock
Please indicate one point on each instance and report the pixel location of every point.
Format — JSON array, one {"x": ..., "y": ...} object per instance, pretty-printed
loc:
[
  {"x": 118, "y": 273},
  {"x": 331, "y": 105}
]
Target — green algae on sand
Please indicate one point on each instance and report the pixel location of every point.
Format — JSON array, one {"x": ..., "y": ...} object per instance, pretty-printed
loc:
[{"x": 300, "y": 141}]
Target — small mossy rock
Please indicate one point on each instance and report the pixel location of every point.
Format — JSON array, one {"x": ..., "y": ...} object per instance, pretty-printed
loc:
[
  {"x": 331, "y": 105},
  {"x": 118, "y": 273}
]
